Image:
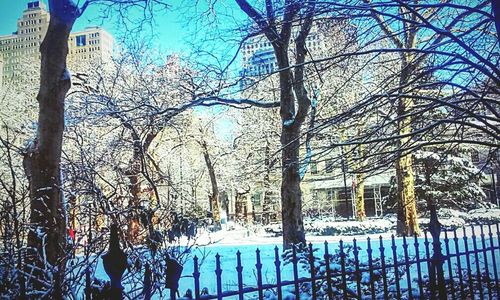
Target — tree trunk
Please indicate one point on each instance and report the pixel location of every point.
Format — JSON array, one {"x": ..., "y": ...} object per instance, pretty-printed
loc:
[
  {"x": 360, "y": 185},
  {"x": 214, "y": 197},
  {"x": 407, "y": 223},
  {"x": 292, "y": 89},
  {"x": 291, "y": 194},
  {"x": 47, "y": 235},
  {"x": 267, "y": 205},
  {"x": 360, "y": 197},
  {"x": 407, "y": 207},
  {"x": 133, "y": 174}
]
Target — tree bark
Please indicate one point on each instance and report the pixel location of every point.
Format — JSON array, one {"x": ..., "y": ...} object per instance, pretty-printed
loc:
[
  {"x": 360, "y": 197},
  {"x": 291, "y": 194},
  {"x": 133, "y": 174},
  {"x": 360, "y": 185},
  {"x": 267, "y": 205},
  {"x": 136, "y": 167},
  {"x": 47, "y": 235},
  {"x": 407, "y": 223},
  {"x": 214, "y": 197}
]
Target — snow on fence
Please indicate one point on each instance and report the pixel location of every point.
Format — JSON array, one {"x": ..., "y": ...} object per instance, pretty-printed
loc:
[{"x": 459, "y": 264}]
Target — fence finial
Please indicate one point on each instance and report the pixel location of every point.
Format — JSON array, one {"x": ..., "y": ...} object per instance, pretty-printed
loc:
[{"x": 115, "y": 263}]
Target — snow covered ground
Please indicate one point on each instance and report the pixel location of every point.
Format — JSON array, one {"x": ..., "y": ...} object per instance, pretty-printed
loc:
[{"x": 247, "y": 239}]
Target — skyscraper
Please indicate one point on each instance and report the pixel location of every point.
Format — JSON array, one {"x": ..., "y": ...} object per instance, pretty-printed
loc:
[{"x": 20, "y": 50}]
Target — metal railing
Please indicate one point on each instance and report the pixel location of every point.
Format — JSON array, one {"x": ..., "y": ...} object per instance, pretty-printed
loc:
[{"x": 457, "y": 264}]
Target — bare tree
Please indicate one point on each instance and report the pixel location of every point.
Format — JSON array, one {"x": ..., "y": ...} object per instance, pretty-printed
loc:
[
  {"x": 47, "y": 236},
  {"x": 294, "y": 99}
]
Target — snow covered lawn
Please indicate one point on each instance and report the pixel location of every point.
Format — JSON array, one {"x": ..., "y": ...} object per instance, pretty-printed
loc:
[{"x": 246, "y": 240}]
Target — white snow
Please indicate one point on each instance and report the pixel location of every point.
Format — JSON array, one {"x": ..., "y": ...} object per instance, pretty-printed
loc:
[{"x": 288, "y": 122}]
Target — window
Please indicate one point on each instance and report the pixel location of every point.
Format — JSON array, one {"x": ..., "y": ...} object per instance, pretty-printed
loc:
[
  {"x": 329, "y": 166},
  {"x": 475, "y": 156},
  {"x": 256, "y": 199},
  {"x": 330, "y": 195},
  {"x": 81, "y": 40},
  {"x": 314, "y": 167},
  {"x": 33, "y": 4}
]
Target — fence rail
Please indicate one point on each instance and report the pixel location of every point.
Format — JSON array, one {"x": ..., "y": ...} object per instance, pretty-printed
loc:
[{"x": 457, "y": 264}]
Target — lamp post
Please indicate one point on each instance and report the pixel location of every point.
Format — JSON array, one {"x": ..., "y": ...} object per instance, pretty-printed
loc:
[
  {"x": 343, "y": 165},
  {"x": 87, "y": 250}
]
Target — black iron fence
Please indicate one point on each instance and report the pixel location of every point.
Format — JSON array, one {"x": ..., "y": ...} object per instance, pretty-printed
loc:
[{"x": 457, "y": 264}]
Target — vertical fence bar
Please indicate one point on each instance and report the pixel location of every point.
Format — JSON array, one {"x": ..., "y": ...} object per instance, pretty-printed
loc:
[
  {"x": 498, "y": 248},
  {"x": 486, "y": 268},
  {"x": 407, "y": 266},
  {"x": 492, "y": 248},
  {"x": 459, "y": 264},
  {"x": 430, "y": 270},
  {"x": 419, "y": 268},
  {"x": 278, "y": 272},
  {"x": 396, "y": 268},
  {"x": 239, "y": 269},
  {"x": 146, "y": 290},
  {"x": 469, "y": 268},
  {"x": 498, "y": 238},
  {"x": 478, "y": 267},
  {"x": 196, "y": 276},
  {"x": 342, "y": 268},
  {"x": 313, "y": 272},
  {"x": 358, "y": 272},
  {"x": 295, "y": 271},
  {"x": 450, "y": 270},
  {"x": 382, "y": 265},
  {"x": 87, "y": 285},
  {"x": 258, "y": 265},
  {"x": 369, "y": 250},
  {"x": 218, "y": 274},
  {"x": 328, "y": 273}
]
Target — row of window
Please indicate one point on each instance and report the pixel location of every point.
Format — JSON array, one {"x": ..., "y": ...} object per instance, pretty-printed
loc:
[
  {"x": 314, "y": 45},
  {"x": 262, "y": 69},
  {"x": 30, "y": 30},
  {"x": 85, "y": 50},
  {"x": 34, "y": 4},
  {"x": 20, "y": 53},
  {"x": 19, "y": 40},
  {"x": 31, "y": 16},
  {"x": 16, "y": 47},
  {"x": 30, "y": 22},
  {"x": 268, "y": 44},
  {"x": 11, "y": 41},
  {"x": 329, "y": 166}
]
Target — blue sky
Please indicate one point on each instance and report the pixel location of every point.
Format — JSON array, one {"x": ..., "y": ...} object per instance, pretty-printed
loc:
[
  {"x": 175, "y": 30},
  {"x": 172, "y": 30}
]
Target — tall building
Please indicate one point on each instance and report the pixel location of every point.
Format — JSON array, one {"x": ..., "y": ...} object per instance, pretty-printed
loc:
[
  {"x": 20, "y": 50},
  {"x": 258, "y": 54},
  {"x": 1, "y": 71}
]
